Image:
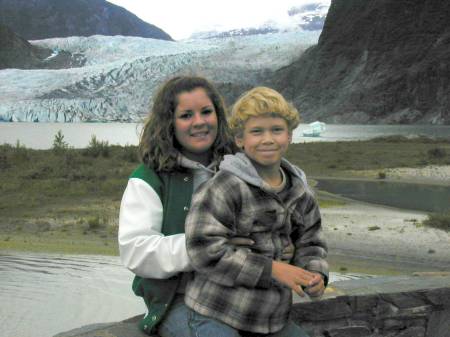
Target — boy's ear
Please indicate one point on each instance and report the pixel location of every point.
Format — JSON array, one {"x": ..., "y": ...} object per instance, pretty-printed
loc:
[
  {"x": 238, "y": 139},
  {"x": 290, "y": 137}
]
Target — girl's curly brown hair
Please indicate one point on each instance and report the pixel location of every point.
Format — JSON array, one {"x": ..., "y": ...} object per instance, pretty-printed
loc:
[{"x": 158, "y": 147}]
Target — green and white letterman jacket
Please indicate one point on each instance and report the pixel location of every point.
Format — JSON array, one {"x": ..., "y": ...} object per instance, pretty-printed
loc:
[{"x": 151, "y": 237}]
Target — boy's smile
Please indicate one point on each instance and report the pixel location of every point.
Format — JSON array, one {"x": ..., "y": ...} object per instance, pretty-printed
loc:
[{"x": 265, "y": 140}]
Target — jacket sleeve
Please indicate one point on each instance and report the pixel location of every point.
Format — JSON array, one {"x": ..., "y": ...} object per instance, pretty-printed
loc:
[
  {"x": 310, "y": 246},
  {"x": 209, "y": 228},
  {"x": 143, "y": 248}
]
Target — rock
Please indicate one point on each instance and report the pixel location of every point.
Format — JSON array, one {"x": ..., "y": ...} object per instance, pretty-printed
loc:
[
  {"x": 43, "y": 19},
  {"x": 385, "y": 61}
]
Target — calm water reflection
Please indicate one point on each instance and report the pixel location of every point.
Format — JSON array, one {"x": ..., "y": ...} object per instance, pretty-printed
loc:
[
  {"x": 42, "y": 295},
  {"x": 428, "y": 198}
]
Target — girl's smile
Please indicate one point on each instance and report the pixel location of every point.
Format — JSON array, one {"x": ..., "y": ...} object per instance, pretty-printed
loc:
[{"x": 195, "y": 124}]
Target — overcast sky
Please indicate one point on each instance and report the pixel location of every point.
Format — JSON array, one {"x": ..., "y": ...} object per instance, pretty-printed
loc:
[{"x": 180, "y": 18}]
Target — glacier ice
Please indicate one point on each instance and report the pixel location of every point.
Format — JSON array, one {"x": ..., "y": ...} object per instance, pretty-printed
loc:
[{"x": 121, "y": 73}]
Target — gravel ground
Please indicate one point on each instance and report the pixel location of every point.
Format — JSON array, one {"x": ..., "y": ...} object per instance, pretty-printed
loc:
[{"x": 372, "y": 232}]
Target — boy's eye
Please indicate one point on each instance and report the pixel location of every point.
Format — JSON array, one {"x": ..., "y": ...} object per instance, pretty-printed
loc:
[
  {"x": 207, "y": 111},
  {"x": 278, "y": 130},
  {"x": 255, "y": 131}
]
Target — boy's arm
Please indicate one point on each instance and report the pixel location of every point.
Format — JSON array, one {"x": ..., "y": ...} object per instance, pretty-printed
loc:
[
  {"x": 311, "y": 249},
  {"x": 210, "y": 227}
]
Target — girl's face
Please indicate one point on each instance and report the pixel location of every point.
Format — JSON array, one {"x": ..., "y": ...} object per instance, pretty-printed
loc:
[{"x": 195, "y": 124}]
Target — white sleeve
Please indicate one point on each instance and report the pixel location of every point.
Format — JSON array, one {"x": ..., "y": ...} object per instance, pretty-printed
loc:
[{"x": 143, "y": 248}]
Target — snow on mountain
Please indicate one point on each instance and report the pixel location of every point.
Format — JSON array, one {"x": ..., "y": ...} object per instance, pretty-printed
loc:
[
  {"x": 310, "y": 16},
  {"x": 120, "y": 74}
]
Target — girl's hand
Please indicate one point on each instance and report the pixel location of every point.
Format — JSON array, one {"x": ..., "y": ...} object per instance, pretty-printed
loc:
[{"x": 294, "y": 277}]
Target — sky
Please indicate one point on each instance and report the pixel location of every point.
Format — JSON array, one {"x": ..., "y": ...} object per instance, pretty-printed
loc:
[{"x": 180, "y": 18}]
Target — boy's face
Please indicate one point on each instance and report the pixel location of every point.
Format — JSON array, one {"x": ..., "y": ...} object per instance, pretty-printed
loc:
[{"x": 265, "y": 140}]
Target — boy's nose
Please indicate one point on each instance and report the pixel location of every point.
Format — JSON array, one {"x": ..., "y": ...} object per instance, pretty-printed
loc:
[{"x": 267, "y": 138}]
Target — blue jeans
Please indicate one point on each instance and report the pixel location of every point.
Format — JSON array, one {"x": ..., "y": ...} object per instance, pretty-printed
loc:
[{"x": 182, "y": 321}]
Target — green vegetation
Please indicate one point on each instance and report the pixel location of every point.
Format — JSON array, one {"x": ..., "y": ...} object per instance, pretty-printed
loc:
[
  {"x": 63, "y": 199},
  {"x": 67, "y": 199},
  {"x": 59, "y": 144},
  {"x": 342, "y": 159},
  {"x": 438, "y": 220}
]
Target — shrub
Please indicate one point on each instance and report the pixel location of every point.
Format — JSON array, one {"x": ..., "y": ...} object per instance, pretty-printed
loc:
[
  {"x": 437, "y": 153},
  {"x": 130, "y": 154},
  {"x": 381, "y": 175},
  {"x": 4, "y": 163},
  {"x": 59, "y": 145},
  {"x": 97, "y": 148},
  {"x": 20, "y": 152},
  {"x": 94, "y": 223},
  {"x": 438, "y": 220}
]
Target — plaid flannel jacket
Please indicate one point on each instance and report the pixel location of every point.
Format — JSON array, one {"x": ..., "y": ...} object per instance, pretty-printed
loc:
[{"x": 234, "y": 284}]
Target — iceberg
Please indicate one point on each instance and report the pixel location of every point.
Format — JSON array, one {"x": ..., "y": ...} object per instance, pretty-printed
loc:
[{"x": 314, "y": 130}]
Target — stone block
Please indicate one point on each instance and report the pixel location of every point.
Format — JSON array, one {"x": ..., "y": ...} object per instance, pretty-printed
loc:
[
  {"x": 415, "y": 331},
  {"x": 350, "y": 331},
  {"x": 439, "y": 296},
  {"x": 406, "y": 299},
  {"x": 323, "y": 310},
  {"x": 439, "y": 324}
]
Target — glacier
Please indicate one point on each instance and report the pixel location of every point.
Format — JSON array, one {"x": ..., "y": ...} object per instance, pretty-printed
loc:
[{"x": 120, "y": 74}]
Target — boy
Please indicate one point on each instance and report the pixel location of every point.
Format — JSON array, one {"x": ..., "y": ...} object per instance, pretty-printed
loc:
[{"x": 256, "y": 194}]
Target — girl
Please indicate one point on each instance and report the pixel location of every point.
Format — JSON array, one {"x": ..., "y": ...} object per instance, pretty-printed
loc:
[{"x": 183, "y": 140}]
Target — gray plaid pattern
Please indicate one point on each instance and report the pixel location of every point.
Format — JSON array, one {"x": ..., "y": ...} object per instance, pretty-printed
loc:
[{"x": 233, "y": 284}]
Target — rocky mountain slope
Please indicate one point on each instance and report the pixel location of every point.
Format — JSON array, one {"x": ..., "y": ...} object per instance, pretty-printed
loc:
[
  {"x": 16, "y": 52},
  {"x": 42, "y": 19},
  {"x": 384, "y": 61}
]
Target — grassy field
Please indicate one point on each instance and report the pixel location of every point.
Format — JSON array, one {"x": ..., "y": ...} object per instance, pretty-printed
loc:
[{"x": 67, "y": 200}]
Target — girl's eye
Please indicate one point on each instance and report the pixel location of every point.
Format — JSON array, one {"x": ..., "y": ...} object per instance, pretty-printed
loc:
[
  {"x": 185, "y": 116},
  {"x": 255, "y": 131},
  {"x": 278, "y": 130}
]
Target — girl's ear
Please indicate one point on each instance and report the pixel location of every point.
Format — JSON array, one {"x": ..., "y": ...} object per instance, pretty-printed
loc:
[{"x": 290, "y": 137}]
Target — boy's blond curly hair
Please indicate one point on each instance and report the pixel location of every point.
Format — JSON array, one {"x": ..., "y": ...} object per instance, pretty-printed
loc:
[{"x": 262, "y": 101}]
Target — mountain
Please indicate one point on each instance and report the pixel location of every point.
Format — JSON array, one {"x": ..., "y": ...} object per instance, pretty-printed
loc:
[
  {"x": 16, "y": 52},
  {"x": 384, "y": 61},
  {"x": 310, "y": 16},
  {"x": 119, "y": 74},
  {"x": 42, "y": 19}
]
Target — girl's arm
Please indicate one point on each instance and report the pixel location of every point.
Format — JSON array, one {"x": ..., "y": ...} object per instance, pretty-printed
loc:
[{"x": 143, "y": 248}]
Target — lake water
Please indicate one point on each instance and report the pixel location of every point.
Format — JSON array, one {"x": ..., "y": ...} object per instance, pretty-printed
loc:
[
  {"x": 45, "y": 294},
  {"x": 427, "y": 198},
  {"x": 78, "y": 135}
]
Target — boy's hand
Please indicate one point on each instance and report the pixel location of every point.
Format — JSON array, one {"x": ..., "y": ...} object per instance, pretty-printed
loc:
[
  {"x": 296, "y": 278},
  {"x": 317, "y": 288},
  {"x": 241, "y": 241}
]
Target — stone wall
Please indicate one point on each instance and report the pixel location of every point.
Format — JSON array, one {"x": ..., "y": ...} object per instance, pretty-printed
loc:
[
  {"x": 401, "y": 306},
  {"x": 417, "y": 306}
]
